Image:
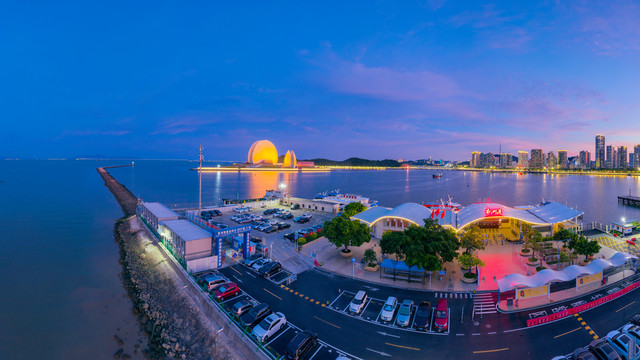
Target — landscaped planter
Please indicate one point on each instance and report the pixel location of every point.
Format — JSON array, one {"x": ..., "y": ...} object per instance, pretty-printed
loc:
[
  {"x": 346, "y": 254},
  {"x": 467, "y": 280},
  {"x": 372, "y": 268},
  {"x": 533, "y": 263},
  {"x": 523, "y": 253}
]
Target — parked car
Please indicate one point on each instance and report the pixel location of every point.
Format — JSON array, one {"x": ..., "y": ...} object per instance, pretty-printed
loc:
[
  {"x": 305, "y": 231},
  {"x": 633, "y": 330},
  {"x": 295, "y": 207},
  {"x": 287, "y": 216},
  {"x": 301, "y": 345},
  {"x": 603, "y": 350},
  {"x": 270, "y": 268},
  {"x": 291, "y": 236},
  {"x": 269, "y": 326},
  {"x": 252, "y": 259},
  {"x": 241, "y": 307},
  {"x": 259, "y": 263},
  {"x": 269, "y": 211},
  {"x": 301, "y": 220},
  {"x": 212, "y": 281},
  {"x": 358, "y": 302},
  {"x": 282, "y": 226},
  {"x": 216, "y": 212},
  {"x": 621, "y": 342},
  {"x": 205, "y": 215},
  {"x": 271, "y": 229},
  {"x": 261, "y": 227},
  {"x": 442, "y": 315},
  {"x": 583, "y": 354},
  {"x": 318, "y": 227},
  {"x": 226, "y": 291},
  {"x": 389, "y": 308},
  {"x": 404, "y": 313},
  {"x": 635, "y": 319},
  {"x": 255, "y": 315},
  {"x": 423, "y": 316},
  {"x": 308, "y": 216}
]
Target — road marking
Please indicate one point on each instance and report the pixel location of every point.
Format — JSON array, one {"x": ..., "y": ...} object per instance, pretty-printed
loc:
[
  {"x": 385, "y": 334},
  {"x": 476, "y": 334},
  {"x": 492, "y": 333},
  {"x": 285, "y": 330},
  {"x": 236, "y": 271},
  {"x": 403, "y": 347},
  {"x": 459, "y": 334},
  {"x": 583, "y": 323},
  {"x": 325, "y": 321},
  {"x": 272, "y": 293},
  {"x": 314, "y": 354},
  {"x": 336, "y": 299},
  {"x": 489, "y": 351},
  {"x": 379, "y": 352},
  {"x": 631, "y": 303},
  {"x": 568, "y": 332}
]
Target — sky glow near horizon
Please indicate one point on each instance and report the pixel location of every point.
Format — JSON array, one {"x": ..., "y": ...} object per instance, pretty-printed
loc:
[{"x": 370, "y": 79}]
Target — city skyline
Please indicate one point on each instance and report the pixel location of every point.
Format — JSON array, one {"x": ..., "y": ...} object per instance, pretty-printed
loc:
[{"x": 438, "y": 79}]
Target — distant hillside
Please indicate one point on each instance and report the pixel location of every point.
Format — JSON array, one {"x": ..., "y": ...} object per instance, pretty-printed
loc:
[{"x": 354, "y": 161}]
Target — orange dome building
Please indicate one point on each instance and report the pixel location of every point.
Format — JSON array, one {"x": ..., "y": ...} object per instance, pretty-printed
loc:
[{"x": 263, "y": 152}]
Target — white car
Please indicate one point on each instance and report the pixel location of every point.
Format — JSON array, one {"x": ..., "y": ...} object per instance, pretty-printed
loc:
[
  {"x": 260, "y": 263},
  {"x": 308, "y": 216},
  {"x": 389, "y": 308},
  {"x": 269, "y": 326},
  {"x": 358, "y": 302}
]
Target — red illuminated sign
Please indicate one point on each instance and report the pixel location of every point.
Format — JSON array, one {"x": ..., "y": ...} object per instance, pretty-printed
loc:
[{"x": 493, "y": 212}]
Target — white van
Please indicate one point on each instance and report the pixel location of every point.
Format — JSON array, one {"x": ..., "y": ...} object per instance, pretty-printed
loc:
[
  {"x": 386, "y": 314},
  {"x": 356, "y": 305}
]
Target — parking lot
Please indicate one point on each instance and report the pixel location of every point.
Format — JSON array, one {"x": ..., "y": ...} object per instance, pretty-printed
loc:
[
  {"x": 372, "y": 309},
  {"x": 277, "y": 343}
]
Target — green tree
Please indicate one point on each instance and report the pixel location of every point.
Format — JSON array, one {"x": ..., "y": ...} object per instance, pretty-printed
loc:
[
  {"x": 341, "y": 231},
  {"x": 370, "y": 257},
  {"x": 583, "y": 246},
  {"x": 469, "y": 261},
  {"x": 353, "y": 208},
  {"x": 471, "y": 239},
  {"x": 394, "y": 243},
  {"x": 532, "y": 240}
]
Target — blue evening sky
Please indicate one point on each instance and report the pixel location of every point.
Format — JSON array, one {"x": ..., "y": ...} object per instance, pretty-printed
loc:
[{"x": 375, "y": 79}]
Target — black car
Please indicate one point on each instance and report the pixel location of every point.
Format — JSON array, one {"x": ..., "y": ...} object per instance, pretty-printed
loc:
[
  {"x": 301, "y": 220},
  {"x": 255, "y": 315},
  {"x": 282, "y": 226},
  {"x": 635, "y": 320},
  {"x": 295, "y": 207},
  {"x": 423, "y": 314},
  {"x": 269, "y": 211},
  {"x": 301, "y": 344},
  {"x": 252, "y": 259},
  {"x": 271, "y": 229},
  {"x": 269, "y": 268},
  {"x": 287, "y": 216},
  {"x": 216, "y": 212},
  {"x": 603, "y": 350},
  {"x": 291, "y": 236}
]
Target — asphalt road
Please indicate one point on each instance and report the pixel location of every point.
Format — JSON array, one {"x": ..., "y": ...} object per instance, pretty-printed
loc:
[{"x": 491, "y": 335}]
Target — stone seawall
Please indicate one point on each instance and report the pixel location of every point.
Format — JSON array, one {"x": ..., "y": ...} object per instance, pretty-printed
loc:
[{"x": 179, "y": 322}]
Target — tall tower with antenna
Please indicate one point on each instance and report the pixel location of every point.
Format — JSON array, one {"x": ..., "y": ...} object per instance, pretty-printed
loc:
[{"x": 201, "y": 157}]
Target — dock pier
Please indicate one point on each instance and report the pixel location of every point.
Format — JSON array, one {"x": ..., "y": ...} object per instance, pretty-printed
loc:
[{"x": 629, "y": 200}]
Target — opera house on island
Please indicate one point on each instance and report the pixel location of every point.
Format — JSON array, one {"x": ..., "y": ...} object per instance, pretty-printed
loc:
[{"x": 263, "y": 156}]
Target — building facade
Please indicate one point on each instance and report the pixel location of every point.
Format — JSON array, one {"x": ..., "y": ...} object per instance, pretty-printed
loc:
[
  {"x": 523, "y": 159},
  {"x": 608, "y": 163},
  {"x": 563, "y": 160},
  {"x": 552, "y": 160},
  {"x": 584, "y": 160},
  {"x": 506, "y": 160},
  {"x": 622, "y": 157},
  {"x": 636, "y": 157},
  {"x": 475, "y": 159},
  {"x": 600, "y": 151},
  {"x": 537, "y": 159}
]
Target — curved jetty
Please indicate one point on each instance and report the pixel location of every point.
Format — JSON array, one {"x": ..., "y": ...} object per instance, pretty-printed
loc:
[{"x": 179, "y": 322}]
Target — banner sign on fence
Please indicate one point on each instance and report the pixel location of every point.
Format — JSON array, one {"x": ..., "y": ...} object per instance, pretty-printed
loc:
[
  {"x": 577, "y": 309},
  {"x": 588, "y": 279},
  {"x": 532, "y": 292}
]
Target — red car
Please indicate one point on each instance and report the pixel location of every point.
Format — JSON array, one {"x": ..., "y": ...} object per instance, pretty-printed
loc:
[
  {"x": 442, "y": 315},
  {"x": 226, "y": 291}
]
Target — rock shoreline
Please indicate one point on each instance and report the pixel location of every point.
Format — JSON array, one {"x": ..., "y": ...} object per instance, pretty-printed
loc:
[{"x": 177, "y": 323}]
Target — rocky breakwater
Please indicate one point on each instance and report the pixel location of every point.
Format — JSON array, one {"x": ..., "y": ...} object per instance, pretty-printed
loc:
[{"x": 180, "y": 324}]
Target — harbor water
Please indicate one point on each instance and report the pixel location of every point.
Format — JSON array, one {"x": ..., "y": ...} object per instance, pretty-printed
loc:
[{"x": 62, "y": 295}]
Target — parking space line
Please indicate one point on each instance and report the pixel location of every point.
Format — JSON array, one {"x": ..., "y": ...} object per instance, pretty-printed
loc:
[
  {"x": 282, "y": 332},
  {"x": 232, "y": 268},
  {"x": 314, "y": 354},
  {"x": 325, "y": 321},
  {"x": 402, "y": 346},
  {"x": 272, "y": 293},
  {"x": 365, "y": 307},
  {"x": 336, "y": 299}
]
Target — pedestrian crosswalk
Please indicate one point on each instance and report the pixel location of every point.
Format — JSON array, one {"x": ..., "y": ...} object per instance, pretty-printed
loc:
[
  {"x": 617, "y": 244},
  {"x": 484, "y": 303},
  {"x": 453, "y": 295}
]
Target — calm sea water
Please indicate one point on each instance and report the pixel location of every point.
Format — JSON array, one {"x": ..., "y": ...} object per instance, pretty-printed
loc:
[{"x": 62, "y": 296}]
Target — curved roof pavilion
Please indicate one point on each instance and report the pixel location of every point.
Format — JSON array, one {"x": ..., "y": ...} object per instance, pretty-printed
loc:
[
  {"x": 541, "y": 214},
  {"x": 411, "y": 212}
]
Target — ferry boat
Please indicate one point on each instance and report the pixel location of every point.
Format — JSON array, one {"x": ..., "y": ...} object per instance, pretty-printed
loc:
[
  {"x": 337, "y": 197},
  {"x": 437, "y": 176}
]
